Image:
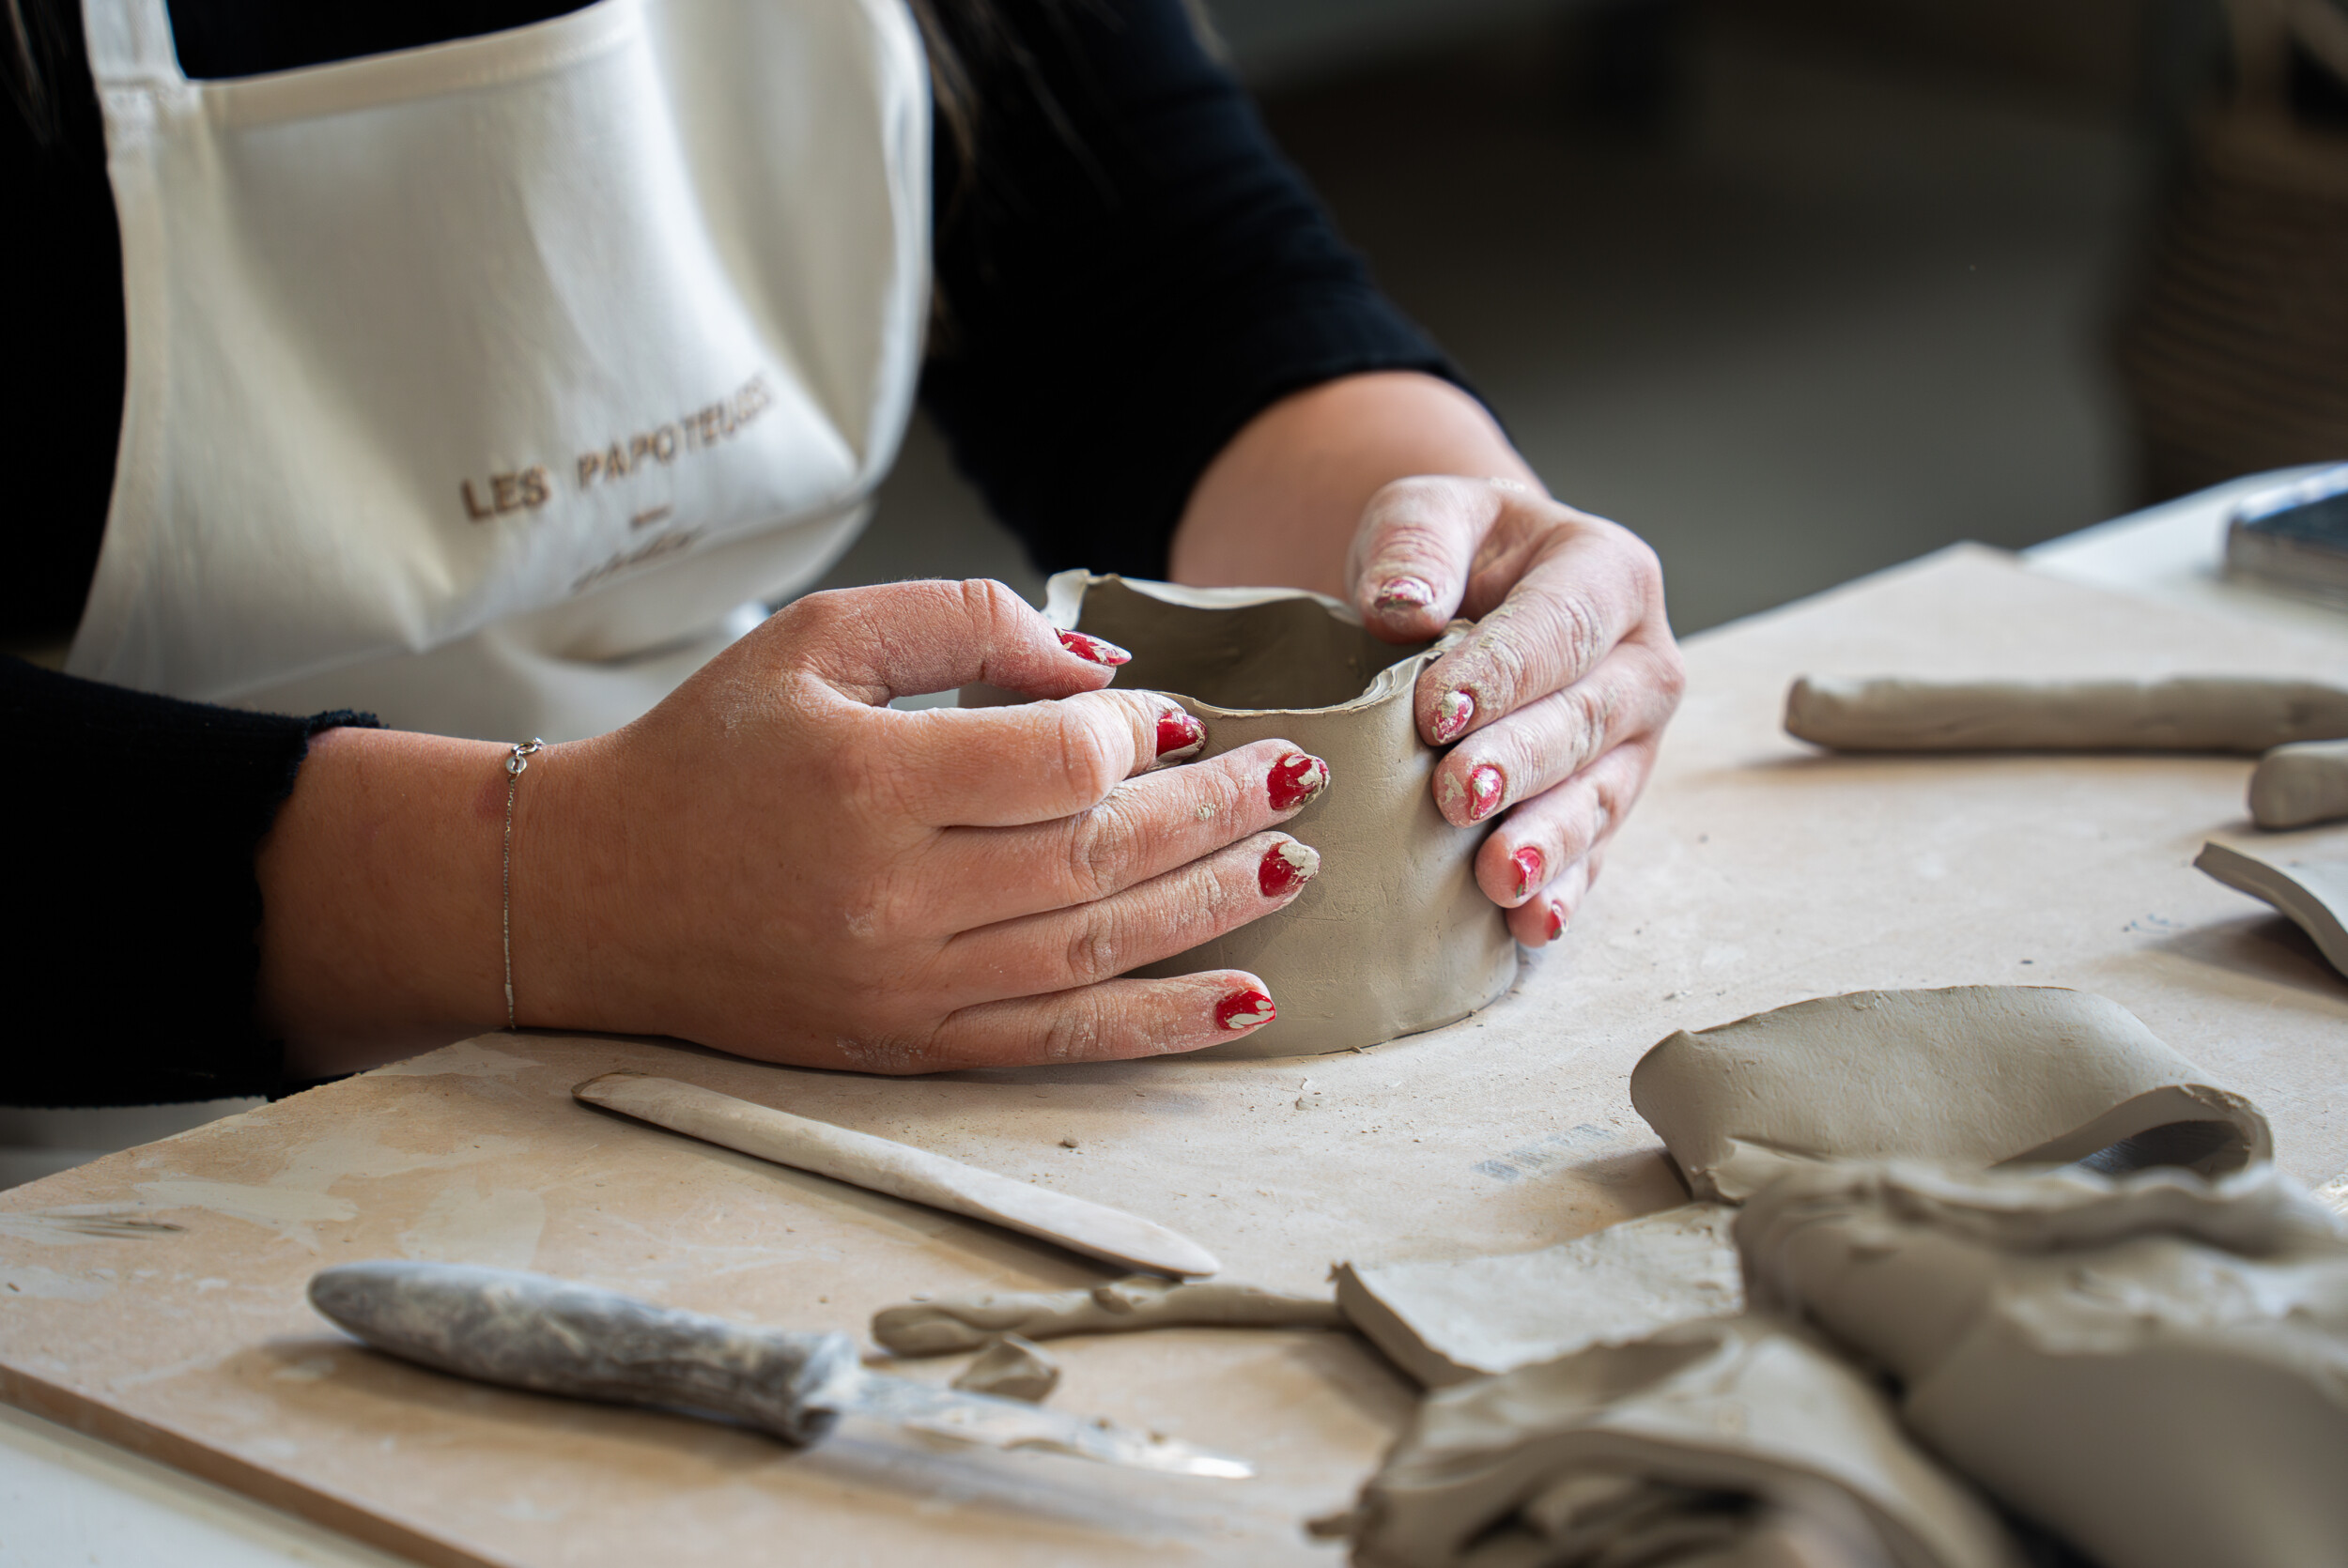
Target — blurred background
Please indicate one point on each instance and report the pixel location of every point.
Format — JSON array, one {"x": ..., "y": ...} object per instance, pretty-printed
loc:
[{"x": 1803, "y": 288}]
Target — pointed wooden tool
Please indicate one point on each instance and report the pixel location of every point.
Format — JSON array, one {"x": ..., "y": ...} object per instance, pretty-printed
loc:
[{"x": 898, "y": 1170}]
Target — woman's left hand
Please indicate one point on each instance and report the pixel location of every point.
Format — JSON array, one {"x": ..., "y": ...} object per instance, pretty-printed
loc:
[{"x": 1554, "y": 702}]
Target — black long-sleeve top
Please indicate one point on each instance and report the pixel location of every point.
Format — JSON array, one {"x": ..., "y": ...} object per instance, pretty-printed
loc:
[{"x": 1128, "y": 272}]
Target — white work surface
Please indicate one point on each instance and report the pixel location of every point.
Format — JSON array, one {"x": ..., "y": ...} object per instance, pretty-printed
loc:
[{"x": 1757, "y": 873}]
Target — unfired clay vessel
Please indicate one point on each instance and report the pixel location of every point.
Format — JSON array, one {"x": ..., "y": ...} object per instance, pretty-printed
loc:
[
  {"x": 1977, "y": 1075},
  {"x": 1446, "y": 1322},
  {"x": 2185, "y": 713},
  {"x": 1730, "y": 1442},
  {"x": 1393, "y": 936},
  {"x": 2156, "y": 1368},
  {"x": 2298, "y": 786},
  {"x": 2313, "y": 893},
  {"x": 955, "y": 1323}
]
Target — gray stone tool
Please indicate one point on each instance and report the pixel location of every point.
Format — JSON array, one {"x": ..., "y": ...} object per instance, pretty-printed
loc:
[{"x": 551, "y": 1336}]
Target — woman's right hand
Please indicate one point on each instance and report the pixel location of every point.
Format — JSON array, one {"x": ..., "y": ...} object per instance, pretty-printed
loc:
[{"x": 776, "y": 863}]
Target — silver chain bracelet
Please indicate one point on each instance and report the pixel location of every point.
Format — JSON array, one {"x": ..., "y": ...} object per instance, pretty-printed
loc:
[{"x": 516, "y": 764}]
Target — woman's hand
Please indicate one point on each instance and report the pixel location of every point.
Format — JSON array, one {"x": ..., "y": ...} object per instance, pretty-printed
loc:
[
  {"x": 775, "y": 863},
  {"x": 1556, "y": 702}
]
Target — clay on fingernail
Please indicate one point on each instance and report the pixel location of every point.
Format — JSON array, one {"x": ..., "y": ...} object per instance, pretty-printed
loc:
[
  {"x": 1245, "y": 1009},
  {"x": 1404, "y": 594},
  {"x": 1178, "y": 735},
  {"x": 1556, "y": 921},
  {"x": 1454, "y": 713},
  {"x": 1486, "y": 787},
  {"x": 1285, "y": 865},
  {"x": 1295, "y": 780},
  {"x": 1529, "y": 868},
  {"x": 1093, "y": 648}
]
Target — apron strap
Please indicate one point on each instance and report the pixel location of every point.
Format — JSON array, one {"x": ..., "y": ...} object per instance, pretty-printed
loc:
[{"x": 130, "y": 45}]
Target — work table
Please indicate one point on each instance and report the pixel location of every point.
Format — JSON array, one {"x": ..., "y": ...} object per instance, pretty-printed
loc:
[{"x": 155, "y": 1297}]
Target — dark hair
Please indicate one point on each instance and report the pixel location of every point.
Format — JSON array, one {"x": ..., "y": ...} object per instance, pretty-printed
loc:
[{"x": 36, "y": 53}]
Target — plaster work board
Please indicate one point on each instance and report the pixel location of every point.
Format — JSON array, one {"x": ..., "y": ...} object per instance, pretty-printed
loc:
[{"x": 1757, "y": 873}]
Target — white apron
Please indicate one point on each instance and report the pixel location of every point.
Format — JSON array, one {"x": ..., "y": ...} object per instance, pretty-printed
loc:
[{"x": 481, "y": 384}]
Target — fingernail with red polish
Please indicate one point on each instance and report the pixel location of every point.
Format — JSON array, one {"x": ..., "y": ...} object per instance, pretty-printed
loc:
[
  {"x": 1095, "y": 649},
  {"x": 1528, "y": 864},
  {"x": 1486, "y": 786},
  {"x": 1452, "y": 715},
  {"x": 1404, "y": 594},
  {"x": 1295, "y": 780},
  {"x": 1556, "y": 921},
  {"x": 1286, "y": 864},
  {"x": 1178, "y": 735},
  {"x": 1245, "y": 1009}
]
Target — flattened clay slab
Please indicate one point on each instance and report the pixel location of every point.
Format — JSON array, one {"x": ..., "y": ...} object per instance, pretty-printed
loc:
[
  {"x": 1011, "y": 1368},
  {"x": 1726, "y": 1441},
  {"x": 2185, "y": 713},
  {"x": 2298, "y": 786},
  {"x": 1975, "y": 1075},
  {"x": 965, "y": 1323},
  {"x": 2156, "y": 1368},
  {"x": 1445, "y": 1323},
  {"x": 1393, "y": 936},
  {"x": 2313, "y": 893}
]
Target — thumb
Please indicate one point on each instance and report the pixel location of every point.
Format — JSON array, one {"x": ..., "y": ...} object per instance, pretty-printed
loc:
[{"x": 1413, "y": 550}]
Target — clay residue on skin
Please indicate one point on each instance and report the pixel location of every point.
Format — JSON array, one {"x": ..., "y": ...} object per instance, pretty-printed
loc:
[
  {"x": 2156, "y": 1368},
  {"x": 965, "y": 1323},
  {"x": 1011, "y": 1368},
  {"x": 2184, "y": 713}
]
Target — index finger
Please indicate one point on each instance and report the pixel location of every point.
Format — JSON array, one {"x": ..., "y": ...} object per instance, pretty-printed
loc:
[
  {"x": 1030, "y": 761},
  {"x": 1587, "y": 588}
]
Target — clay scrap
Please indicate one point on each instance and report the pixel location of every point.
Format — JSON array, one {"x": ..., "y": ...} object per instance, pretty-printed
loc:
[
  {"x": 1727, "y": 1442},
  {"x": 1447, "y": 1322},
  {"x": 1011, "y": 1368},
  {"x": 1393, "y": 936},
  {"x": 942, "y": 1327},
  {"x": 2313, "y": 893},
  {"x": 1975, "y": 1075},
  {"x": 2153, "y": 1367},
  {"x": 898, "y": 1170},
  {"x": 2185, "y": 713},
  {"x": 2298, "y": 786}
]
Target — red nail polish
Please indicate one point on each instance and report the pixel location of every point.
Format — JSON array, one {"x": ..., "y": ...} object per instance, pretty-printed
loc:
[
  {"x": 1528, "y": 864},
  {"x": 1486, "y": 786},
  {"x": 1295, "y": 778},
  {"x": 1245, "y": 1009},
  {"x": 1404, "y": 594},
  {"x": 1286, "y": 864},
  {"x": 1095, "y": 649},
  {"x": 1452, "y": 715},
  {"x": 1179, "y": 734},
  {"x": 1556, "y": 921}
]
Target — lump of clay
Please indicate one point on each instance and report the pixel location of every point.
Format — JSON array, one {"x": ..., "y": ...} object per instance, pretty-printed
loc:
[
  {"x": 1975, "y": 1075},
  {"x": 2298, "y": 786},
  {"x": 965, "y": 1323},
  {"x": 2313, "y": 893},
  {"x": 1011, "y": 1368},
  {"x": 1393, "y": 937},
  {"x": 1447, "y": 1322},
  {"x": 2156, "y": 1368},
  {"x": 1730, "y": 1442},
  {"x": 2185, "y": 713}
]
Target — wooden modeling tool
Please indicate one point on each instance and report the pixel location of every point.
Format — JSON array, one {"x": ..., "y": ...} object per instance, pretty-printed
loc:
[
  {"x": 547, "y": 1335},
  {"x": 898, "y": 1170}
]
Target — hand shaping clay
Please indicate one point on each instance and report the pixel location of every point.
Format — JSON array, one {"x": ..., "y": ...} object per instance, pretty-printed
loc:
[
  {"x": 1730, "y": 1442},
  {"x": 900, "y": 1170},
  {"x": 2185, "y": 713},
  {"x": 2313, "y": 893},
  {"x": 2297, "y": 786},
  {"x": 965, "y": 1323},
  {"x": 1975, "y": 1075},
  {"x": 1445, "y": 1323},
  {"x": 1011, "y": 1368},
  {"x": 1393, "y": 937},
  {"x": 2155, "y": 1367}
]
